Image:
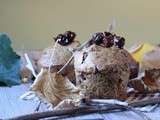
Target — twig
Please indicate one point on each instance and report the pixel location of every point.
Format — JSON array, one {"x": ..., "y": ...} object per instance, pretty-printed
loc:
[
  {"x": 76, "y": 49},
  {"x": 94, "y": 102},
  {"x": 84, "y": 110},
  {"x": 142, "y": 103},
  {"x": 111, "y": 26},
  {"x": 50, "y": 60},
  {"x": 70, "y": 59},
  {"x": 29, "y": 64},
  {"x": 83, "y": 45},
  {"x": 38, "y": 107},
  {"x": 78, "y": 111}
]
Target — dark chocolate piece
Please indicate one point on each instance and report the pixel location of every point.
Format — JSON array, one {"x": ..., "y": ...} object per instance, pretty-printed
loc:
[
  {"x": 98, "y": 38},
  {"x": 107, "y": 40},
  {"x": 120, "y": 42},
  {"x": 66, "y": 38}
]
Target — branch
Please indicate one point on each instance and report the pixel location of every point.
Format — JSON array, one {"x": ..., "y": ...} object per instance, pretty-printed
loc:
[{"x": 86, "y": 110}]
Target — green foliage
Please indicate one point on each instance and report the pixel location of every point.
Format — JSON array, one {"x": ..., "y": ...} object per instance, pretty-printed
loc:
[{"x": 9, "y": 62}]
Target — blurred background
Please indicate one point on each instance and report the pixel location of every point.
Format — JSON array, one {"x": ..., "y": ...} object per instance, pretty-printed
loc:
[{"x": 32, "y": 23}]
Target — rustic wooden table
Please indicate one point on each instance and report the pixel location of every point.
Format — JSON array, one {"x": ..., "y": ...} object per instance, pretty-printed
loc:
[{"x": 11, "y": 105}]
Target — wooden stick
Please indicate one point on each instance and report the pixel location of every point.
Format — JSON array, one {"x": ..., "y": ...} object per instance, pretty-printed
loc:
[
  {"x": 150, "y": 101},
  {"x": 85, "y": 110},
  {"x": 71, "y": 58},
  {"x": 82, "y": 46},
  {"x": 78, "y": 111}
]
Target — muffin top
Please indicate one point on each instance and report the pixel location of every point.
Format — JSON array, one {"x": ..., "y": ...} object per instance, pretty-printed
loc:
[
  {"x": 62, "y": 54},
  {"x": 151, "y": 60},
  {"x": 104, "y": 50}
]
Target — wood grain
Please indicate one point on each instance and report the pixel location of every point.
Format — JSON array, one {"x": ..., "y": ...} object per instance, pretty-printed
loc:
[{"x": 11, "y": 106}]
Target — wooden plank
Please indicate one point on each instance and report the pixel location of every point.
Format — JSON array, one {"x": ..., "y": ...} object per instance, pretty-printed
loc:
[
  {"x": 95, "y": 116},
  {"x": 11, "y": 105},
  {"x": 115, "y": 116}
]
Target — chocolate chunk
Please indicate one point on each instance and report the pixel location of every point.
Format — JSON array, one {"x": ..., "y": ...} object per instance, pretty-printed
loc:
[
  {"x": 120, "y": 42},
  {"x": 85, "y": 54},
  {"x": 70, "y": 35},
  {"x": 107, "y": 33},
  {"x": 66, "y": 38},
  {"x": 108, "y": 41},
  {"x": 98, "y": 38}
]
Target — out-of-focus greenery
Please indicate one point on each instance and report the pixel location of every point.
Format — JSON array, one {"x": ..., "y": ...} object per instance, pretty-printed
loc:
[{"x": 9, "y": 63}]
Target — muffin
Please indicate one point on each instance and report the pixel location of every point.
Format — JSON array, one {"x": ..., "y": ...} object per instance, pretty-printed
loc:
[
  {"x": 51, "y": 85},
  {"x": 102, "y": 67},
  {"x": 61, "y": 55},
  {"x": 151, "y": 65}
]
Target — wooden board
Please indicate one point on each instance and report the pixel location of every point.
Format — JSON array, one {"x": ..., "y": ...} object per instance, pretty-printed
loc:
[{"x": 11, "y": 105}]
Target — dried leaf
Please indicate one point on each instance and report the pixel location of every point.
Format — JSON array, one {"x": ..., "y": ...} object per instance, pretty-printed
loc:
[{"x": 56, "y": 89}]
